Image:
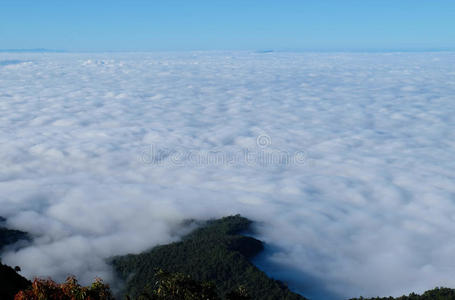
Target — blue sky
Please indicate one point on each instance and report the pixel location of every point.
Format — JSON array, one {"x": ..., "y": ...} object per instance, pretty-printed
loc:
[{"x": 134, "y": 25}]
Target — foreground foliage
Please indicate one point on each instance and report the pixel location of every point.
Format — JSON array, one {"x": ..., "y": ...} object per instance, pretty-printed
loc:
[
  {"x": 214, "y": 253},
  {"x": 176, "y": 286},
  {"x": 434, "y": 294},
  {"x": 46, "y": 289}
]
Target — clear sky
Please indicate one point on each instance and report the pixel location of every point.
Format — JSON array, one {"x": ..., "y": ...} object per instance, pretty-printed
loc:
[{"x": 133, "y": 25}]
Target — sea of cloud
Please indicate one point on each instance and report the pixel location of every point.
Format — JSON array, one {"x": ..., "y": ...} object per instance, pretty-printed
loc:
[{"x": 346, "y": 161}]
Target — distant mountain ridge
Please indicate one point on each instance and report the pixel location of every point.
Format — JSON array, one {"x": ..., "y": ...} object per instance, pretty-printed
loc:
[{"x": 34, "y": 50}]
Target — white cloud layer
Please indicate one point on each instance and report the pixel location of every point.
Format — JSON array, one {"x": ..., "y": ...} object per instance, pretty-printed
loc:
[{"x": 103, "y": 154}]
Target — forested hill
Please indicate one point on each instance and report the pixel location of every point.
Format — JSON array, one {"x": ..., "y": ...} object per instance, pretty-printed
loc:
[
  {"x": 10, "y": 281},
  {"x": 216, "y": 252},
  {"x": 10, "y": 236}
]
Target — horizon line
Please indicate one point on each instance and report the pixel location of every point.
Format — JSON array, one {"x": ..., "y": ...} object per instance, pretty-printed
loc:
[{"x": 264, "y": 51}]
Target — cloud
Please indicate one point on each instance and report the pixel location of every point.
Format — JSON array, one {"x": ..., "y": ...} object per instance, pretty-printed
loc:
[{"x": 368, "y": 212}]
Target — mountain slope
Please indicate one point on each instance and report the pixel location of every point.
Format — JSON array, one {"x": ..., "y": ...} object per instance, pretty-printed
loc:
[
  {"x": 10, "y": 236},
  {"x": 10, "y": 281},
  {"x": 215, "y": 252}
]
